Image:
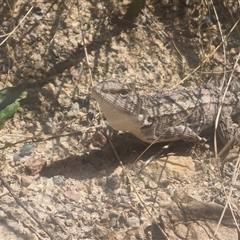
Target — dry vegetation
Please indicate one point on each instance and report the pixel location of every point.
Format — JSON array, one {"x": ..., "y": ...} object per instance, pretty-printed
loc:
[{"x": 58, "y": 181}]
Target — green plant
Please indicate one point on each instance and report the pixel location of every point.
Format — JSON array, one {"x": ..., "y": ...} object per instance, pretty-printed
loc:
[{"x": 9, "y": 102}]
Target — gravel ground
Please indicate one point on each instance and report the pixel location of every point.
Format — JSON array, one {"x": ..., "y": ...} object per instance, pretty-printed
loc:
[{"x": 55, "y": 159}]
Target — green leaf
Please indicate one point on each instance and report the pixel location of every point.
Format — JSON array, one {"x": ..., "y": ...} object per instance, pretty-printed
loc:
[
  {"x": 9, "y": 102},
  {"x": 11, "y": 95},
  {"x": 8, "y": 112}
]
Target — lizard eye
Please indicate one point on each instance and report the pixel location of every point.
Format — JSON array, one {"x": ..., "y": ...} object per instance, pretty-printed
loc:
[{"x": 123, "y": 93}]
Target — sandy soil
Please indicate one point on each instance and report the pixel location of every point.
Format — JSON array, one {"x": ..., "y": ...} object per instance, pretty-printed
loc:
[{"x": 54, "y": 157}]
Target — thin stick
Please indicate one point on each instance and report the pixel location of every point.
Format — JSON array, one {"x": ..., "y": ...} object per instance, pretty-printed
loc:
[
  {"x": 135, "y": 190},
  {"x": 24, "y": 207},
  {"x": 234, "y": 179},
  {"x": 194, "y": 70},
  {"x": 10, "y": 34},
  {"x": 220, "y": 107}
]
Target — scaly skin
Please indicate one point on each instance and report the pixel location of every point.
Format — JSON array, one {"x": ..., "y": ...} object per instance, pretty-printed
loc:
[{"x": 180, "y": 114}]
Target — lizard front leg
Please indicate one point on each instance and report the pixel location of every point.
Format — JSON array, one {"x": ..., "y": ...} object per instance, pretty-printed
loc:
[{"x": 174, "y": 133}]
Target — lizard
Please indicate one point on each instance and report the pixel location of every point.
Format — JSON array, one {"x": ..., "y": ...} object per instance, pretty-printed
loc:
[{"x": 179, "y": 114}]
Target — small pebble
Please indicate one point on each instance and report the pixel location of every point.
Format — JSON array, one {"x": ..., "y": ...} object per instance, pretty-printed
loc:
[{"x": 26, "y": 150}]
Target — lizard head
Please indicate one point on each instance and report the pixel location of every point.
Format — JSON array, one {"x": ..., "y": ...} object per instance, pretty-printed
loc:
[{"x": 120, "y": 104}]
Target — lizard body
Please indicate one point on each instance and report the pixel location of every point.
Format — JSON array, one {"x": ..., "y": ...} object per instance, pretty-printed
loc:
[{"x": 180, "y": 114}]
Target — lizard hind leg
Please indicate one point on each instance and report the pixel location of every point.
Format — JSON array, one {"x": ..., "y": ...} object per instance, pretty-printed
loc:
[
  {"x": 229, "y": 133},
  {"x": 227, "y": 130}
]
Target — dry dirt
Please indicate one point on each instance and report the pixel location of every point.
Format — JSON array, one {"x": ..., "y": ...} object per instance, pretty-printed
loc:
[{"x": 54, "y": 157}]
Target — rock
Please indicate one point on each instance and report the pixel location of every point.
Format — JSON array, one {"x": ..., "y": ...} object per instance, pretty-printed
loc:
[
  {"x": 49, "y": 91},
  {"x": 98, "y": 140},
  {"x": 100, "y": 232},
  {"x": 26, "y": 150},
  {"x": 151, "y": 184},
  {"x": 113, "y": 182},
  {"x": 73, "y": 112},
  {"x": 34, "y": 166},
  {"x": 23, "y": 192},
  {"x": 72, "y": 195},
  {"x": 26, "y": 180},
  {"x": 38, "y": 65},
  {"x": 170, "y": 167},
  {"x": 58, "y": 180},
  {"x": 64, "y": 101},
  {"x": 49, "y": 127},
  {"x": 133, "y": 222}
]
